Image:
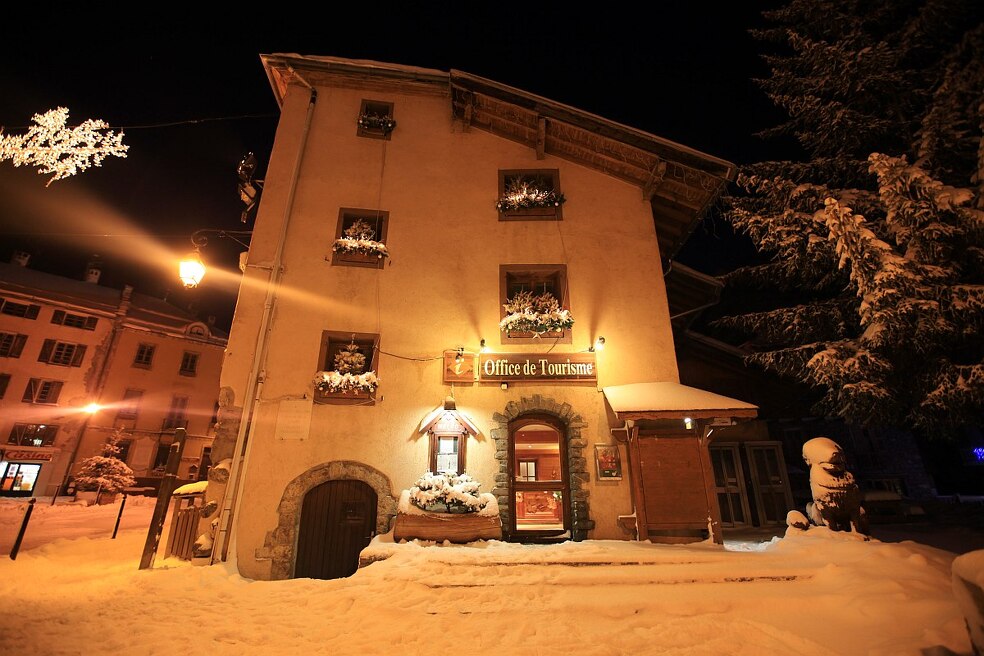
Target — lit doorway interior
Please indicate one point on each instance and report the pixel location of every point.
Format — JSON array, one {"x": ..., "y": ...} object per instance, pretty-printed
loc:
[{"x": 540, "y": 494}]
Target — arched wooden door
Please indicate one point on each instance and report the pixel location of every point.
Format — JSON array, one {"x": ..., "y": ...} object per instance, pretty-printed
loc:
[{"x": 338, "y": 519}]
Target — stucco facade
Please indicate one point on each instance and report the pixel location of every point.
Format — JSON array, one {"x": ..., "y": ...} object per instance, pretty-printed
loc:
[{"x": 437, "y": 179}]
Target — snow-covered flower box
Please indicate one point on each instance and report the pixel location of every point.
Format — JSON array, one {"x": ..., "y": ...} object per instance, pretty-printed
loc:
[
  {"x": 447, "y": 507},
  {"x": 536, "y": 315},
  {"x": 357, "y": 244},
  {"x": 523, "y": 197},
  {"x": 347, "y": 384}
]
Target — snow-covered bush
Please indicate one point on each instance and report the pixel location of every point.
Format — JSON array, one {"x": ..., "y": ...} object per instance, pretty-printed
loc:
[
  {"x": 349, "y": 374},
  {"x": 105, "y": 472},
  {"x": 447, "y": 492}
]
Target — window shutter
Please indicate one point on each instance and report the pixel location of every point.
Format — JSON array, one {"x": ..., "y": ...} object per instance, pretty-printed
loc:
[
  {"x": 58, "y": 317},
  {"x": 32, "y": 311},
  {"x": 46, "y": 348},
  {"x": 56, "y": 386},
  {"x": 4, "y": 381},
  {"x": 30, "y": 390},
  {"x": 18, "y": 346},
  {"x": 78, "y": 355},
  {"x": 90, "y": 323}
]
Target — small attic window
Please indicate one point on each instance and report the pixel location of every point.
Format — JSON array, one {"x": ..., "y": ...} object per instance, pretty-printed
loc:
[{"x": 376, "y": 119}]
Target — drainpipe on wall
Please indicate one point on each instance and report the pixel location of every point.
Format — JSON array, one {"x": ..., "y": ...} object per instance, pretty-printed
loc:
[{"x": 225, "y": 535}]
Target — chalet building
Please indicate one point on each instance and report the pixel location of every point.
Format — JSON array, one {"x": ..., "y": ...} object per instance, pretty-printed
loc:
[
  {"x": 432, "y": 242},
  {"x": 148, "y": 366}
]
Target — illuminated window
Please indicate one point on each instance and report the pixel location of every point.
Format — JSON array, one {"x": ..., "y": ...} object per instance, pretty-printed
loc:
[
  {"x": 189, "y": 364},
  {"x": 70, "y": 320},
  {"x": 42, "y": 391},
  {"x": 360, "y": 238},
  {"x": 530, "y": 195},
  {"x": 376, "y": 119},
  {"x": 537, "y": 279},
  {"x": 144, "y": 358},
  {"x": 12, "y": 345},
  {"x": 32, "y": 434},
  {"x": 64, "y": 354}
]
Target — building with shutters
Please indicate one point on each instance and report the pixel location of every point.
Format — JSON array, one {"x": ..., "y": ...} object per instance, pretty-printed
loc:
[
  {"x": 436, "y": 262},
  {"x": 79, "y": 360}
]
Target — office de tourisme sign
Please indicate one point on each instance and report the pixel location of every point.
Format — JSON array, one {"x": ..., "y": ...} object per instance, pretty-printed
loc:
[{"x": 556, "y": 367}]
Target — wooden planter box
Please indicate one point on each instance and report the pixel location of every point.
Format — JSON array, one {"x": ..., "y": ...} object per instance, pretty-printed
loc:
[{"x": 453, "y": 527}]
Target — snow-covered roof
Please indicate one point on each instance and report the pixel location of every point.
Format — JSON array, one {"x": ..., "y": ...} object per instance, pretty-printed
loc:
[
  {"x": 433, "y": 417},
  {"x": 672, "y": 400}
]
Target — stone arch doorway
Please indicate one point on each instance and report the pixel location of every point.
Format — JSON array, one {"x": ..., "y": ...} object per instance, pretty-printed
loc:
[
  {"x": 570, "y": 425},
  {"x": 281, "y": 543},
  {"x": 338, "y": 519}
]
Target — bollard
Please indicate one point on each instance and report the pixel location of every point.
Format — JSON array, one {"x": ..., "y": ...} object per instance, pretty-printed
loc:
[
  {"x": 119, "y": 516},
  {"x": 23, "y": 529}
]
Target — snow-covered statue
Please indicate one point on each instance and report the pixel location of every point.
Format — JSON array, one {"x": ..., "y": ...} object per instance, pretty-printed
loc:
[{"x": 836, "y": 498}]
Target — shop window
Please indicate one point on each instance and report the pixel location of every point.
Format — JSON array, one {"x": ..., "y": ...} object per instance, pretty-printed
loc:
[
  {"x": 32, "y": 434},
  {"x": 42, "y": 391},
  {"x": 530, "y": 195},
  {"x": 376, "y": 119},
  {"x": 4, "y": 382},
  {"x": 349, "y": 365},
  {"x": 18, "y": 478},
  {"x": 23, "y": 310},
  {"x": 360, "y": 238},
  {"x": 64, "y": 354},
  {"x": 70, "y": 320},
  {"x": 130, "y": 405},
  {"x": 144, "y": 358},
  {"x": 543, "y": 282},
  {"x": 12, "y": 345},
  {"x": 189, "y": 364}
]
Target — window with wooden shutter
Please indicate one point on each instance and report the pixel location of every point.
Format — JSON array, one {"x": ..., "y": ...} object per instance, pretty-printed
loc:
[
  {"x": 63, "y": 318},
  {"x": 12, "y": 345},
  {"x": 144, "y": 357},
  {"x": 39, "y": 390},
  {"x": 23, "y": 310},
  {"x": 64, "y": 354},
  {"x": 4, "y": 382}
]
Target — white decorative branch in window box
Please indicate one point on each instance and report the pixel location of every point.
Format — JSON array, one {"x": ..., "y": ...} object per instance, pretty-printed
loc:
[
  {"x": 332, "y": 382},
  {"x": 533, "y": 313},
  {"x": 522, "y": 194},
  {"x": 358, "y": 239},
  {"x": 381, "y": 123}
]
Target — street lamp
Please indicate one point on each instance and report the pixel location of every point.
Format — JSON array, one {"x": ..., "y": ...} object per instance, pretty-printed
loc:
[{"x": 191, "y": 269}]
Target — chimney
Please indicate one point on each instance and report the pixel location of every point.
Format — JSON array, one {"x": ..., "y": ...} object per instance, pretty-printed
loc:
[
  {"x": 20, "y": 258},
  {"x": 93, "y": 270}
]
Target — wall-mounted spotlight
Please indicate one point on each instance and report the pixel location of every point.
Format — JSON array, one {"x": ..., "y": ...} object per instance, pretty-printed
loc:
[
  {"x": 599, "y": 345},
  {"x": 484, "y": 347}
]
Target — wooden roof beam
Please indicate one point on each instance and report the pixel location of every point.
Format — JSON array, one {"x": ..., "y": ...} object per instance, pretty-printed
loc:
[{"x": 541, "y": 136}]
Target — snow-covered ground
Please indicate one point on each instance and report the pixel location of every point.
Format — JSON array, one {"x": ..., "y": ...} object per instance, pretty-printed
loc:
[{"x": 816, "y": 593}]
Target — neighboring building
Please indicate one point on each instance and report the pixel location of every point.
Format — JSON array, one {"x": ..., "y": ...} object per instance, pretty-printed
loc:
[
  {"x": 574, "y": 442},
  {"x": 65, "y": 344}
]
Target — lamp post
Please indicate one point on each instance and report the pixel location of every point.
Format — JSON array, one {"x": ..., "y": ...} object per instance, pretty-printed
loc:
[{"x": 191, "y": 269}]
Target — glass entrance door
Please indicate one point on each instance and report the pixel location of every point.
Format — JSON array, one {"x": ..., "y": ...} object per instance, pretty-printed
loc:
[{"x": 540, "y": 496}]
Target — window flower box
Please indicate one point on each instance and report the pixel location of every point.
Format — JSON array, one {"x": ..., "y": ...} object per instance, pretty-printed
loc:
[
  {"x": 538, "y": 315},
  {"x": 346, "y": 385}
]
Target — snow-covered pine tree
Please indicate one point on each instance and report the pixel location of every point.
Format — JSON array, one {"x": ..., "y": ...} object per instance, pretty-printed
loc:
[
  {"x": 105, "y": 472},
  {"x": 878, "y": 231}
]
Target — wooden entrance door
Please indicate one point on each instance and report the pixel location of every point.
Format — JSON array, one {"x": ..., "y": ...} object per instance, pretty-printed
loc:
[{"x": 338, "y": 519}]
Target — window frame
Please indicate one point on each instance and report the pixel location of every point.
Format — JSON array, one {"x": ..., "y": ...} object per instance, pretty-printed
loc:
[
  {"x": 177, "y": 414},
  {"x": 138, "y": 362},
  {"x": 435, "y": 441},
  {"x": 541, "y": 271},
  {"x": 129, "y": 408},
  {"x": 30, "y": 311},
  {"x": 12, "y": 344},
  {"x": 62, "y": 354},
  {"x": 72, "y": 320},
  {"x": 369, "y": 105},
  {"x": 327, "y": 351},
  {"x": 532, "y": 213},
  {"x": 42, "y": 391},
  {"x": 347, "y": 216},
  {"x": 189, "y": 371},
  {"x": 48, "y": 435},
  {"x": 4, "y": 384}
]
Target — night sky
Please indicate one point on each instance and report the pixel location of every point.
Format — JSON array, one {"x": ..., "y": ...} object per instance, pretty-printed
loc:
[{"x": 679, "y": 70}]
